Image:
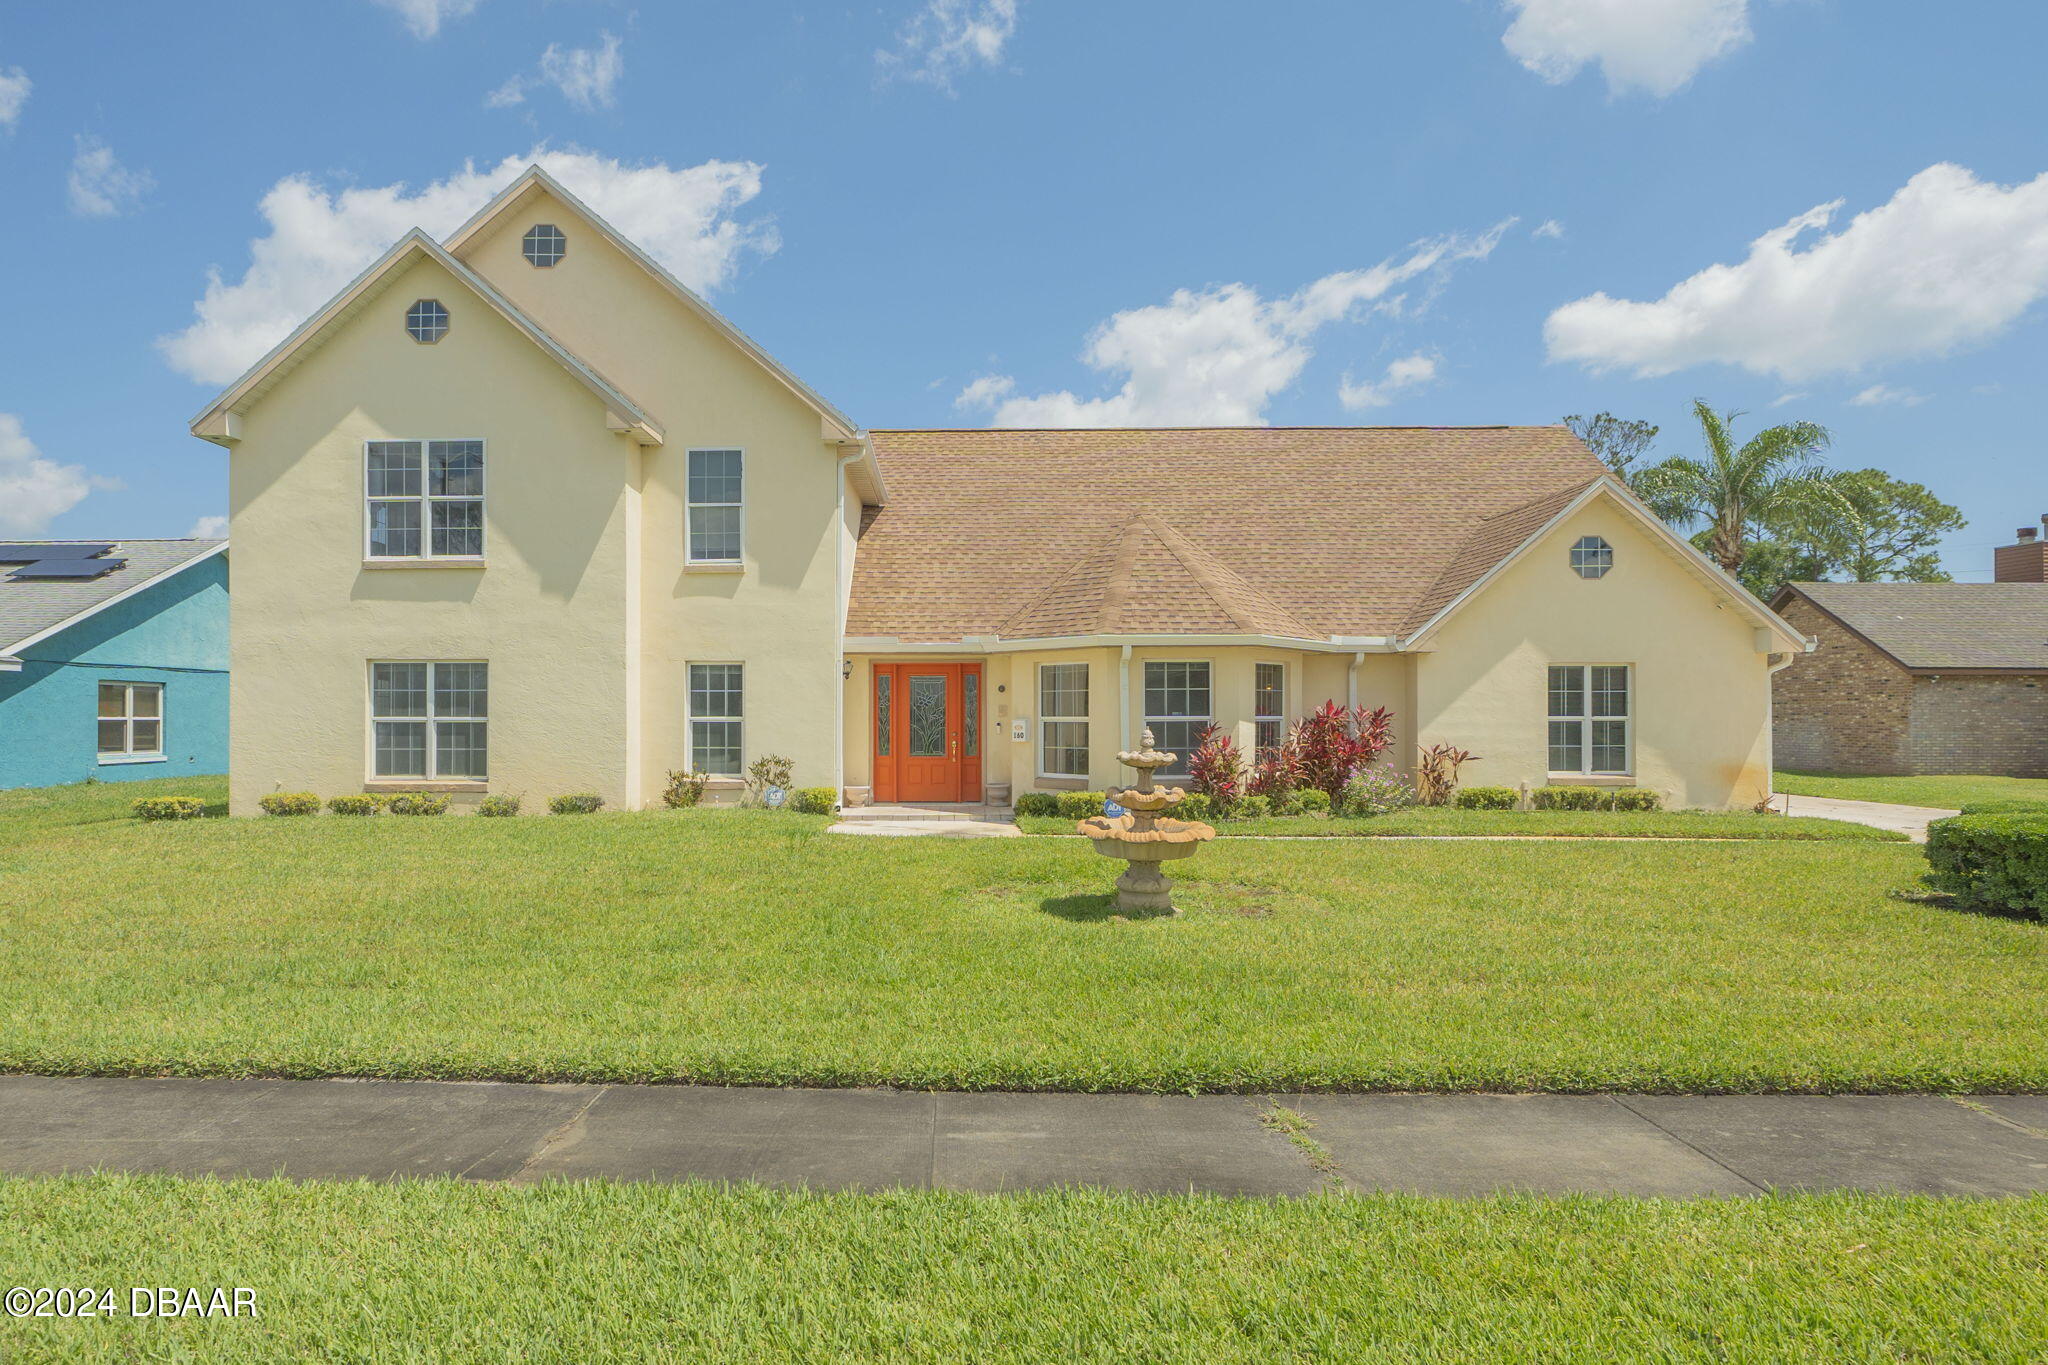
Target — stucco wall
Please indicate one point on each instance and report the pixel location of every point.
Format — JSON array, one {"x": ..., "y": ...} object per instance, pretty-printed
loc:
[
  {"x": 548, "y": 612},
  {"x": 1701, "y": 689},
  {"x": 174, "y": 634},
  {"x": 781, "y": 615}
]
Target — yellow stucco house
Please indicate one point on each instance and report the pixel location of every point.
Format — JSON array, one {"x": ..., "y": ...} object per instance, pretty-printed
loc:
[{"x": 517, "y": 512}]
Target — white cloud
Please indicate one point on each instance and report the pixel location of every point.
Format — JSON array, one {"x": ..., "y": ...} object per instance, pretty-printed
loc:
[
  {"x": 319, "y": 240},
  {"x": 1651, "y": 45},
  {"x": 14, "y": 88},
  {"x": 1950, "y": 260},
  {"x": 425, "y": 17},
  {"x": 1409, "y": 372},
  {"x": 1782, "y": 399},
  {"x": 588, "y": 77},
  {"x": 33, "y": 491},
  {"x": 100, "y": 186},
  {"x": 1884, "y": 395},
  {"x": 985, "y": 392},
  {"x": 946, "y": 37},
  {"x": 208, "y": 528},
  {"x": 1217, "y": 356},
  {"x": 1549, "y": 229}
]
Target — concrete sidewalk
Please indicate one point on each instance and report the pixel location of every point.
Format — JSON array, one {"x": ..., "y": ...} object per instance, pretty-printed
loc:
[
  {"x": 1912, "y": 821},
  {"x": 1679, "y": 1146}
]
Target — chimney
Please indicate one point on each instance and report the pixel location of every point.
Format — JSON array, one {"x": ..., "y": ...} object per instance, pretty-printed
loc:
[{"x": 2024, "y": 561}]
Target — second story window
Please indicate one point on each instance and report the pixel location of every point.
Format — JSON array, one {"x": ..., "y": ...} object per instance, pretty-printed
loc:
[
  {"x": 715, "y": 506},
  {"x": 425, "y": 499}
]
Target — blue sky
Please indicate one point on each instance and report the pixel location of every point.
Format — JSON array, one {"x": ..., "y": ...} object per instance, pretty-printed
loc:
[{"x": 957, "y": 212}]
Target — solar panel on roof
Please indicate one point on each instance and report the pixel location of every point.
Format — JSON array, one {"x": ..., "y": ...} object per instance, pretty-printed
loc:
[
  {"x": 68, "y": 568},
  {"x": 18, "y": 553}
]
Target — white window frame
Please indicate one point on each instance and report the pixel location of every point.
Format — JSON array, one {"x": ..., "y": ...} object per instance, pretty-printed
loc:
[
  {"x": 128, "y": 753},
  {"x": 690, "y": 718},
  {"x": 426, "y": 501},
  {"x": 1278, "y": 718},
  {"x": 431, "y": 762},
  {"x": 1182, "y": 759},
  {"x": 690, "y": 555},
  {"x": 1082, "y": 720},
  {"x": 1585, "y": 721},
  {"x": 1598, "y": 557}
]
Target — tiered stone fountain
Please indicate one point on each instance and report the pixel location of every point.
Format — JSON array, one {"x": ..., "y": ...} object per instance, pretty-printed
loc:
[{"x": 1143, "y": 837}]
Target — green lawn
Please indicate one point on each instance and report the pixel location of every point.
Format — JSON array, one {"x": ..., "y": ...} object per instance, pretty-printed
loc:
[
  {"x": 1950, "y": 793},
  {"x": 1554, "y": 824},
  {"x": 440, "y": 1271},
  {"x": 744, "y": 947}
]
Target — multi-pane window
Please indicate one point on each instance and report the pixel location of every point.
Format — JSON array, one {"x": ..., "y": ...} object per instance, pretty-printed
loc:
[
  {"x": 1269, "y": 703},
  {"x": 131, "y": 717},
  {"x": 430, "y": 721},
  {"x": 1589, "y": 718},
  {"x": 715, "y": 506},
  {"x": 1063, "y": 720},
  {"x": 426, "y": 321},
  {"x": 544, "y": 244},
  {"x": 715, "y": 719},
  {"x": 426, "y": 499},
  {"x": 1177, "y": 709},
  {"x": 1592, "y": 557}
]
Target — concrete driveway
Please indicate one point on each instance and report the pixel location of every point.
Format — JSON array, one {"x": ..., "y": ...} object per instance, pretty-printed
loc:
[{"x": 1912, "y": 821}]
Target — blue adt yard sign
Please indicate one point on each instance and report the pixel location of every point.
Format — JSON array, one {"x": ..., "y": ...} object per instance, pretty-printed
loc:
[{"x": 113, "y": 660}]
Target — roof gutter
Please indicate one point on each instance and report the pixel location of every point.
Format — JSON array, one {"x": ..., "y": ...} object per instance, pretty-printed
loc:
[{"x": 990, "y": 644}]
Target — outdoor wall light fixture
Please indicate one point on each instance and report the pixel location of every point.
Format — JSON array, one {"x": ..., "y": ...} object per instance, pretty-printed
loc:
[{"x": 845, "y": 669}]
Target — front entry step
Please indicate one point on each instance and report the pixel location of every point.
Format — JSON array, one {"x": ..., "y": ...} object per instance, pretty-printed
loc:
[{"x": 928, "y": 813}]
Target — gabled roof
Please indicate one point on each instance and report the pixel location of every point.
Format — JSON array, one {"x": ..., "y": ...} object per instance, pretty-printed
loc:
[
  {"x": 32, "y": 609},
  {"x": 217, "y": 423},
  {"x": 534, "y": 180},
  {"x": 1344, "y": 529},
  {"x": 1535, "y": 520},
  {"x": 1936, "y": 627},
  {"x": 1147, "y": 578}
]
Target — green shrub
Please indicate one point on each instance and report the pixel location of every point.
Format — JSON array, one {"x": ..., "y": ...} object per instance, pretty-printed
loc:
[
  {"x": 1310, "y": 801},
  {"x": 1257, "y": 806},
  {"x": 498, "y": 806},
  {"x": 1195, "y": 806},
  {"x": 1487, "y": 798},
  {"x": 576, "y": 803},
  {"x": 1037, "y": 803},
  {"x": 1638, "y": 798},
  {"x": 1079, "y": 805},
  {"x": 1569, "y": 798},
  {"x": 684, "y": 790},
  {"x": 355, "y": 805},
  {"x": 1378, "y": 790},
  {"x": 815, "y": 801},
  {"x": 769, "y": 770},
  {"x": 2007, "y": 806},
  {"x": 167, "y": 807},
  {"x": 1999, "y": 861},
  {"x": 290, "y": 803},
  {"x": 419, "y": 803}
]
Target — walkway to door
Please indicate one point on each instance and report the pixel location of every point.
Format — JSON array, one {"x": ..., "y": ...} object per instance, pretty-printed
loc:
[{"x": 949, "y": 820}]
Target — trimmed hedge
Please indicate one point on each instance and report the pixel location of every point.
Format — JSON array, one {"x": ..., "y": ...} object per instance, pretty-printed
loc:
[
  {"x": 814, "y": 801},
  {"x": 1487, "y": 798},
  {"x": 1596, "y": 798},
  {"x": 167, "y": 807},
  {"x": 1302, "y": 801},
  {"x": 1998, "y": 861},
  {"x": 1037, "y": 803},
  {"x": 576, "y": 803},
  {"x": 419, "y": 803},
  {"x": 1194, "y": 806},
  {"x": 498, "y": 806},
  {"x": 354, "y": 805},
  {"x": 1078, "y": 805},
  {"x": 290, "y": 803},
  {"x": 2007, "y": 807},
  {"x": 1257, "y": 806}
]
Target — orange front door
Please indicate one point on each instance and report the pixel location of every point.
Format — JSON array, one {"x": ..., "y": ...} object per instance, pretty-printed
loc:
[{"x": 927, "y": 732}]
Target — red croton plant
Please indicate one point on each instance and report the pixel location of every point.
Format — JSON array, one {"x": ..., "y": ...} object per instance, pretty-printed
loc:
[
  {"x": 1333, "y": 743},
  {"x": 1217, "y": 768}
]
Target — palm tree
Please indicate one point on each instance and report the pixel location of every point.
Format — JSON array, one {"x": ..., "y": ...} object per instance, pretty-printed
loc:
[{"x": 1774, "y": 476}]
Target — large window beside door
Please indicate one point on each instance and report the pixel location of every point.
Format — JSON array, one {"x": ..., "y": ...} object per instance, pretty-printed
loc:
[
  {"x": 430, "y": 721},
  {"x": 716, "y": 719},
  {"x": 1177, "y": 708},
  {"x": 1589, "y": 719},
  {"x": 1063, "y": 720},
  {"x": 131, "y": 721}
]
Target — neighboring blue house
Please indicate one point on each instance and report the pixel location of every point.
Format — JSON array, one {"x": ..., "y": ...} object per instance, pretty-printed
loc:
[{"x": 113, "y": 660}]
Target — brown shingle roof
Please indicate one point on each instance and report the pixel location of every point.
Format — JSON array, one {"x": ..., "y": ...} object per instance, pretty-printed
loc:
[
  {"x": 1491, "y": 541},
  {"x": 1933, "y": 626},
  {"x": 1323, "y": 530}
]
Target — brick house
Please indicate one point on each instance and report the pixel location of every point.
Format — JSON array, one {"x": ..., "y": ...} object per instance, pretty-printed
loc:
[{"x": 1910, "y": 678}]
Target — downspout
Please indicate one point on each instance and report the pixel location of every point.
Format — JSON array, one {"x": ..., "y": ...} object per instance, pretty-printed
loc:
[
  {"x": 840, "y": 588},
  {"x": 1123, "y": 702},
  {"x": 1771, "y": 671},
  {"x": 1351, "y": 681}
]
